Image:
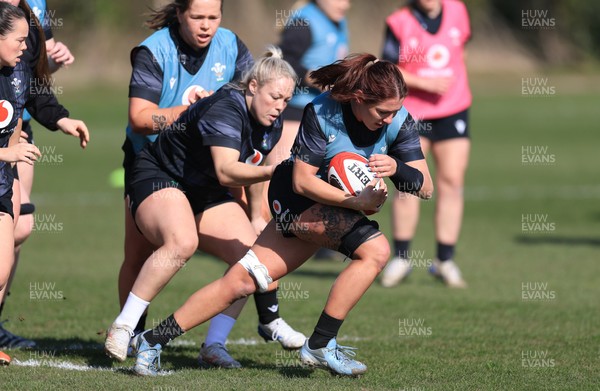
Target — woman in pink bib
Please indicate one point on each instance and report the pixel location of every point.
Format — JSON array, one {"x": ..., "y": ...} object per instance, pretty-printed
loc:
[{"x": 427, "y": 39}]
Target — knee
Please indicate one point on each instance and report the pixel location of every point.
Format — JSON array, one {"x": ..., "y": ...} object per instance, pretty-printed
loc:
[
  {"x": 376, "y": 251},
  {"x": 450, "y": 184},
  {"x": 182, "y": 248},
  {"x": 241, "y": 281}
]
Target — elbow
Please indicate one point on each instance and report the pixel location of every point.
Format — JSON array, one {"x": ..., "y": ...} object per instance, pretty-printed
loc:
[
  {"x": 226, "y": 181},
  {"x": 138, "y": 127},
  {"x": 298, "y": 187}
]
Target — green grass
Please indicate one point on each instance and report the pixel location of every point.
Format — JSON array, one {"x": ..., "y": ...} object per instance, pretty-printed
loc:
[{"x": 474, "y": 339}]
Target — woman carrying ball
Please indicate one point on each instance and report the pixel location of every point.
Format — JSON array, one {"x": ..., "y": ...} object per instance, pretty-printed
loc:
[{"x": 362, "y": 112}]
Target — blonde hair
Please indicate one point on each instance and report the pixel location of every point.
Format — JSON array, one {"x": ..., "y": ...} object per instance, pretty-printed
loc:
[{"x": 269, "y": 67}]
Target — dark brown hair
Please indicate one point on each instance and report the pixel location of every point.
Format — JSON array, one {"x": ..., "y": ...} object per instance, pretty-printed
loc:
[
  {"x": 167, "y": 15},
  {"x": 361, "y": 76}
]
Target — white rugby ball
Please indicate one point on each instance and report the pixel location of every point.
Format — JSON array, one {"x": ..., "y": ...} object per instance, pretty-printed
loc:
[{"x": 349, "y": 172}]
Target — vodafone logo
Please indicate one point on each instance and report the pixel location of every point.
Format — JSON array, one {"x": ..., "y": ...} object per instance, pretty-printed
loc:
[
  {"x": 438, "y": 56},
  {"x": 190, "y": 93},
  {"x": 277, "y": 206},
  {"x": 6, "y": 113}
]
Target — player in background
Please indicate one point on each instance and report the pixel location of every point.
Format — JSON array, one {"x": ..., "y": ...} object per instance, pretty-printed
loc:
[
  {"x": 427, "y": 39},
  {"x": 361, "y": 113},
  {"x": 50, "y": 114},
  {"x": 315, "y": 34},
  {"x": 187, "y": 58}
]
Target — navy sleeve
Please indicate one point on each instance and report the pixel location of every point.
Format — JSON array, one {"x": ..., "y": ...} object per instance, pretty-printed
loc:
[
  {"x": 295, "y": 41},
  {"x": 310, "y": 144},
  {"x": 146, "y": 76},
  {"x": 391, "y": 47},
  {"x": 407, "y": 146},
  {"x": 223, "y": 124},
  {"x": 243, "y": 62}
]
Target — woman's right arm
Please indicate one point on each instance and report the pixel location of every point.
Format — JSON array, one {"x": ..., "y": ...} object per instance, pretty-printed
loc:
[{"x": 145, "y": 89}]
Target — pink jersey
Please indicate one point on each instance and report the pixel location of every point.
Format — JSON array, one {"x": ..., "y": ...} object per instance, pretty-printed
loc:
[{"x": 435, "y": 55}]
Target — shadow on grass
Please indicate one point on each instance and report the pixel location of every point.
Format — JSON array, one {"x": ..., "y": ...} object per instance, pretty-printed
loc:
[
  {"x": 558, "y": 240},
  {"x": 92, "y": 352}
]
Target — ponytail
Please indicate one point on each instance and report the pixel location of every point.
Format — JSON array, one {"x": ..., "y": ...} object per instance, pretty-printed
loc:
[
  {"x": 361, "y": 76},
  {"x": 268, "y": 67}
]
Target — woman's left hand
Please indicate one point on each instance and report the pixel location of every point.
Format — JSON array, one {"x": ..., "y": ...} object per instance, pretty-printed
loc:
[{"x": 382, "y": 165}]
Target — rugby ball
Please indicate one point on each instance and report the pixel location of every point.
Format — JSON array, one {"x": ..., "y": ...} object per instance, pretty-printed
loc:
[{"x": 349, "y": 171}]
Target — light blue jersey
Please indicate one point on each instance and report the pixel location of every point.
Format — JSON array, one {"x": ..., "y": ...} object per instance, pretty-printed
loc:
[
  {"x": 329, "y": 43},
  {"x": 178, "y": 84}
]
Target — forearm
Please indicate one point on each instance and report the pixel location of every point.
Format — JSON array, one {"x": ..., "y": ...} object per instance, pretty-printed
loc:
[
  {"x": 153, "y": 121},
  {"x": 45, "y": 109},
  {"x": 237, "y": 174},
  {"x": 412, "y": 80},
  {"x": 322, "y": 192}
]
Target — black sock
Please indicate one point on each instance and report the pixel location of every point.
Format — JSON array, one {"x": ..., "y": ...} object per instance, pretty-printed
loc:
[
  {"x": 445, "y": 251},
  {"x": 1, "y": 308},
  {"x": 326, "y": 329},
  {"x": 401, "y": 248},
  {"x": 267, "y": 306},
  {"x": 164, "y": 333},
  {"x": 141, "y": 325}
]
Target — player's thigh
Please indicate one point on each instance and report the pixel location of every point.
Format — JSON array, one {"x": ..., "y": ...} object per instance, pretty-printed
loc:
[
  {"x": 225, "y": 232},
  {"x": 281, "y": 255},
  {"x": 167, "y": 217},
  {"x": 325, "y": 225}
]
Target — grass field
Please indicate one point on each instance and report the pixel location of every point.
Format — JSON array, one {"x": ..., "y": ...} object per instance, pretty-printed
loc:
[{"x": 529, "y": 250}]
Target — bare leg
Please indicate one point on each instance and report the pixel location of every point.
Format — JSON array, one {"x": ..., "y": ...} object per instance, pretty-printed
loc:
[
  {"x": 452, "y": 157},
  {"x": 137, "y": 250}
]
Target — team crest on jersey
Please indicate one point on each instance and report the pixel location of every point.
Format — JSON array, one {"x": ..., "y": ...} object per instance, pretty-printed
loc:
[
  {"x": 172, "y": 82},
  {"x": 6, "y": 115},
  {"x": 17, "y": 84},
  {"x": 331, "y": 138},
  {"x": 383, "y": 149},
  {"x": 219, "y": 69}
]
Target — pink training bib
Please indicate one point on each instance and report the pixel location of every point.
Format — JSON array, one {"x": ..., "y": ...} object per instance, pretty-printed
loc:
[{"x": 435, "y": 55}]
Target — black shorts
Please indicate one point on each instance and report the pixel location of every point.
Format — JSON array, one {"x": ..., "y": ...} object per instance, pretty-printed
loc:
[
  {"x": 128, "y": 161},
  {"x": 15, "y": 172},
  {"x": 156, "y": 179},
  {"x": 439, "y": 129},
  {"x": 292, "y": 113},
  {"x": 6, "y": 205},
  {"x": 286, "y": 206}
]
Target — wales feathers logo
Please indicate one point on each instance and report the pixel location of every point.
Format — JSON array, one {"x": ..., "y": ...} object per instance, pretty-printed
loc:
[
  {"x": 219, "y": 69},
  {"x": 17, "y": 84}
]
